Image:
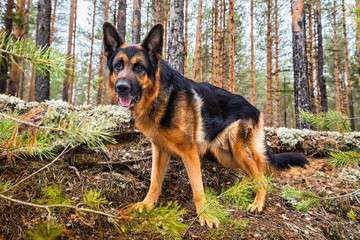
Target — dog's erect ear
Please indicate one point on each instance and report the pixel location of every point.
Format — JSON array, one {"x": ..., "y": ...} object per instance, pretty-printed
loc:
[
  {"x": 112, "y": 39},
  {"x": 153, "y": 42}
]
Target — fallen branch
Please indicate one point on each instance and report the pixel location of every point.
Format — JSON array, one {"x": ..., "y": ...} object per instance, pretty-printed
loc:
[{"x": 124, "y": 162}]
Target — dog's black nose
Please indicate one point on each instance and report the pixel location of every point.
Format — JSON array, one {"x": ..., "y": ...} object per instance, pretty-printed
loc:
[{"x": 122, "y": 87}]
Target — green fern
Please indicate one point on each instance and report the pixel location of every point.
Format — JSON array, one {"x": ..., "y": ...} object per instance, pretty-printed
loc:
[
  {"x": 45, "y": 231},
  {"x": 332, "y": 120},
  {"x": 340, "y": 159},
  {"x": 93, "y": 198},
  {"x": 302, "y": 200},
  {"x": 53, "y": 194}
]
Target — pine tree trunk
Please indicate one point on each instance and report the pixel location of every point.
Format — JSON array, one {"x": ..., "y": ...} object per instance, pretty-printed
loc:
[
  {"x": 136, "y": 23},
  {"x": 198, "y": 51},
  {"x": 65, "y": 93},
  {"x": 336, "y": 62},
  {"x": 42, "y": 80},
  {"x": 121, "y": 23},
  {"x": 277, "y": 81},
  {"x": 4, "y": 66},
  {"x": 91, "y": 54},
  {"x": 186, "y": 37},
  {"x": 344, "y": 108},
  {"x": 252, "y": 58},
  {"x": 347, "y": 69},
  {"x": 158, "y": 16},
  {"x": 18, "y": 33},
  {"x": 72, "y": 93},
  {"x": 100, "y": 96},
  {"x": 231, "y": 47},
  {"x": 269, "y": 89},
  {"x": 358, "y": 45},
  {"x": 166, "y": 27},
  {"x": 321, "y": 79},
  {"x": 176, "y": 48},
  {"x": 301, "y": 83},
  {"x": 311, "y": 60},
  {"x": 216, "y": 46},
  {"x": 53, "y": 16},
  {"x": 222, "y": 44},
  {"x": 318, "y": 95}
]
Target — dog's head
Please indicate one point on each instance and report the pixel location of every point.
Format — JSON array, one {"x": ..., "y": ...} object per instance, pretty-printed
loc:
[{"x": 132, "y": 67}]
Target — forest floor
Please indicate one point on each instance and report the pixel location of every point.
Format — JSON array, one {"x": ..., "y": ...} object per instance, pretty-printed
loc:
[{"x": 126, "y": 183}]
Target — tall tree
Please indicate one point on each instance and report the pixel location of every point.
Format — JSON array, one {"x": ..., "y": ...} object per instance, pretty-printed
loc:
[
  {"x": 65, "y": 93},
  {"x": 186, "y": 37},
  {"x": 336, "y": 61},
  {"x": 311, "y": 59},
  {"x": 136, "y": 23},
  {"x": 252, "y": 58},
  {"x": 101, "y": 64},
  {"x": 91, "y": 54},
  {"x": 347, "y": 69},
  {"x": 320, "y": 57},
  {"x": 121, "y": 19},
  {"x": 222, "y": 46},
  {"x": 166, "y": 27},
  {"x": 231, "y": 47},
  {"x": 215, "y": 78},
  {"x": 18, "y": 33},
  {"x": 277, "y": 81},
  {"x": 53, "y": 17},
  {"x": 198, "y": 50},
  {"x": 42, "y": 80},
  {"x": 301, "y": 83},
  {"x": 269, "y": 88},
  {"x": 158, "y": 16},
  {"x": 176, "y": 48},
  {"x": 358, "y": 44},
  {"x": 4, "y": 66},
  {"x": 71, "y": 98}
]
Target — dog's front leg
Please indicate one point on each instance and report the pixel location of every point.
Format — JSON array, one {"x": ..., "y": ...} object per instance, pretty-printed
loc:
[
  {"x": 192, "y": 164},
  {"x": 159, "y": 165}
]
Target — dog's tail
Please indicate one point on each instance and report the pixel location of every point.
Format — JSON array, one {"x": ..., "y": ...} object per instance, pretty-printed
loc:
[{"x": 284, "y": 161}]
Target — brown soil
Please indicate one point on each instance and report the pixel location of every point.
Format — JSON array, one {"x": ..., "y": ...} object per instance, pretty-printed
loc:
[{"x": 126, "y": 183}]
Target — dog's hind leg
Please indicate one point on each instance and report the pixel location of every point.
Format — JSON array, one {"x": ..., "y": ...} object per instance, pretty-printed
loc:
[
  {"x": 251, "y": 161},
  {"x": 159, "y": 165}
]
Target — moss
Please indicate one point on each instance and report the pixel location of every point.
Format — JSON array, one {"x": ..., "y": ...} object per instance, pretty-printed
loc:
[{"x": 331, "y": 232}]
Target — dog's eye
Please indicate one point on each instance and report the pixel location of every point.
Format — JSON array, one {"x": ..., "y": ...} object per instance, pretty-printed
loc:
[
  {"x": 139, "y": 68},
  {"x": 119, "y": 66}
]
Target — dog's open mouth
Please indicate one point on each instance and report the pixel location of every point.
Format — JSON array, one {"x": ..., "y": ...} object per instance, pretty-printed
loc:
[{"x": 125, "y": 101}]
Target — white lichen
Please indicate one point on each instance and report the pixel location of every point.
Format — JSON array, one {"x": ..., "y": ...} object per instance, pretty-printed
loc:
[{"x": 350, "y": 174}]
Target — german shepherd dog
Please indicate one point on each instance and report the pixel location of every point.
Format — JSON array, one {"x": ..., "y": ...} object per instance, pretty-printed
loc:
[{"x": 187, "y": 119}]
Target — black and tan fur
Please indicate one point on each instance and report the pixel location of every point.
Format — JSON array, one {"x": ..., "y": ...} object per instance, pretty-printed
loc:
[{"x": 187, "y": 119}]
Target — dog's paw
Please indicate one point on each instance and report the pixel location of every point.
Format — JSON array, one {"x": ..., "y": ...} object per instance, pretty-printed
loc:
[
  {"x": 210, "y": 222},
  {"x": 141, "y": 206},
  {"x": 255, "y": 209}
]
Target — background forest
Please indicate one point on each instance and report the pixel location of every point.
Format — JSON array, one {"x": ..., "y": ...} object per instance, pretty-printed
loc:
[{"x": 260, "y": 39}]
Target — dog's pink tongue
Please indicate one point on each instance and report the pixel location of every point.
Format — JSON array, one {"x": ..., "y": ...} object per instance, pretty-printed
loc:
[{"x": 125, "y": 101}]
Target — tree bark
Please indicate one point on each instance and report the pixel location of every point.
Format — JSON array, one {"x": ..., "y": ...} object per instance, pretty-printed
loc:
[
  {"x": 336, "y": 62},
  {"x": 320, "y": 75},
  {"x": 198, "y": 50},
  {"x": 252, "y": 57},
  {"x": 311, "y": 59},
  {"x": 18, "y": 33},
  {"x": 158, "y": 16},
  {"x": 358, "y": 45},
  {"x": 4, "y": 66},
  {"x": 215, "y": 78},
  {"x": 269, "y": 89},
  {"x": 231, "y": 47},
  {"x": 91, "y": 54},
  {"x": 42, "y": 80},
  {"x": 53, "y": 22},
  {"x": 65, "y": 93},
  {"x": 186, "y": 38},
  {"x": 347, "y": 69},
  {"x": 301, "y": 83},
  {"x": 277, "y": 81},
  {"x": 176, "y": 48},
  {"x": 99, "y": 98},
  {"x": 136, "y": 24},
  {"x": 222, "y": 44},
  {"x": 166, "y": 27},
  {"x": 121, "y": 19},
  {"x": 72, "y": 93}
]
